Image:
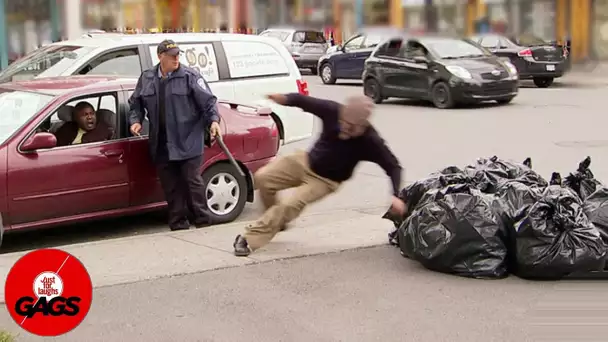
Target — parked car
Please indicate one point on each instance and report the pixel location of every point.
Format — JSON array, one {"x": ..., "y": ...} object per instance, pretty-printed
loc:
[
  {"x": 347, "y": 61},
  {"x": 306, "y": 45},
  {"x": 533, "y": 57},
  {"x": 238, "y": 67},
  {"x": 443, "y": 70},
  {"x": 46, "y": 185}
]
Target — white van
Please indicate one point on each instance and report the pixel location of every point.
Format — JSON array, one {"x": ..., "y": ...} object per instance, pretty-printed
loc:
[{"x": 239, "y": 68}]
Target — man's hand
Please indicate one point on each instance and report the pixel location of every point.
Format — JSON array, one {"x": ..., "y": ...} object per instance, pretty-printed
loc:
[
  {"x": 136, "y": 129},
  {"x": 215, "y": 130},
  {"x": 398, "y": 207},
  {"x": 278, "y": 98}
]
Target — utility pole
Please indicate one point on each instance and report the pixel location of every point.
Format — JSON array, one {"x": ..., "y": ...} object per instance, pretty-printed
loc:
[{"x": 430, "y": 15}]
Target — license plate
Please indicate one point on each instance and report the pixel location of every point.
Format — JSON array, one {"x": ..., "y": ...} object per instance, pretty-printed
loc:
[{"x": 550, "y": 67}]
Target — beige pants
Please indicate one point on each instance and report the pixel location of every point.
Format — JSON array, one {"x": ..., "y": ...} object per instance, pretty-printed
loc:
[{"x": 286, "y": 172}]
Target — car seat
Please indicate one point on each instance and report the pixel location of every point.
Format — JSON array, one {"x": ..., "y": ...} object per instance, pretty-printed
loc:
[
  {"x": 109, "y": 118},
  {"x": 64, "y": 113}
]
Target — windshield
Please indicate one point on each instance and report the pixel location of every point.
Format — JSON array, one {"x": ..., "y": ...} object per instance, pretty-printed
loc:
[
  {"x": 454, "y": 48},
  {"x": 309, "y": 37},
  {"x": 17, "y": 108},
  {"x": 529, "y": 40},
  {"x": 48, "y": 61}
]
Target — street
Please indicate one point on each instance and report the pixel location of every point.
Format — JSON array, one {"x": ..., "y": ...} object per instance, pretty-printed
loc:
[{"x": 362, "y": 294}]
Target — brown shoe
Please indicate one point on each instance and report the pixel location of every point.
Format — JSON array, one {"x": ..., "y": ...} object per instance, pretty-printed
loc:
[{"x": 241, "y": 247}]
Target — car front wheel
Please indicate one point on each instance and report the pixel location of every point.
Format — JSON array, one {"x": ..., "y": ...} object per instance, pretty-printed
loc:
[
  {"x": 225, "y": 191},
  {"x": 543, "y": 82},
  {"x": 371, "y": 88},
  {"x": 327, "y": 74},
  {"x": 442, "y": 96}
]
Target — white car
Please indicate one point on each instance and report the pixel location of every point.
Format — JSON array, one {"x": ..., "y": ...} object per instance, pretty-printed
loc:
[{"x": 239, "y": 68}]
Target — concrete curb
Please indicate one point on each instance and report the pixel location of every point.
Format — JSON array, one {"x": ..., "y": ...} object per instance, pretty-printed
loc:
[{"x": 172, "y": 254}]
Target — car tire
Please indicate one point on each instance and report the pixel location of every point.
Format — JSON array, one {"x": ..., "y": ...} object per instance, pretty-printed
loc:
[
  {"x": 373, "y": 90},
  {"x": 314, "y": 71},
  {"x": 543, "y": 82},
  {"x": 505, "y": 101},
  {"x": 327, "y": 74},
  {"x": 231, "y": 186},
  {"x": 442, "y": 96}
]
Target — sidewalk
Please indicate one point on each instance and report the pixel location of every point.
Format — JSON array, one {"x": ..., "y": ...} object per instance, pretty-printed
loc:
[{"x": 132, "y": 259}]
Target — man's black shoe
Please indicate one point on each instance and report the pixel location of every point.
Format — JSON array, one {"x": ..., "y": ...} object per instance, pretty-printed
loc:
[
  {"x": 241, "y": 247},
  {"x": 203, "y": 223},
  {"x": 179, "y": 227}
]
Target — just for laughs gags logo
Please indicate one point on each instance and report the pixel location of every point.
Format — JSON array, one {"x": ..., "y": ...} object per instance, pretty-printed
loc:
[{"x": 48, "y": 292}]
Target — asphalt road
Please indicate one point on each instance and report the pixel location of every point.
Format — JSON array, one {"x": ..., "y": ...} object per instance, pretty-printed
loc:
[
  {"x": 556, "y": 127},
  {"x": 362, "y": 295}
]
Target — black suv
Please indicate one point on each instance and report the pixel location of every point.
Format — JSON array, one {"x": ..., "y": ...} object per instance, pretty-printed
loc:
[{"x": 444, "y": 70}]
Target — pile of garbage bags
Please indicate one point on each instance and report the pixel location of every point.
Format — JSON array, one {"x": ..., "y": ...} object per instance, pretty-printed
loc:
[{"x": 497, "y": 217}]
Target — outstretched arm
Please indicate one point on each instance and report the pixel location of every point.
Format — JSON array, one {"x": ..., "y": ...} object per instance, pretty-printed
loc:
[
  {"x": 319, "y": 107},
  {"x": 378, "y": 152}
]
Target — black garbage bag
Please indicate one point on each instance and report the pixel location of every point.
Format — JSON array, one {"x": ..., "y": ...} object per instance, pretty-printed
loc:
[
  {"x": 555, "y": 238},
  {"x": 413, "y": 193},
  {"x": 528, "y": 176},
  {"x": 487, "y": 173},
  {"x": 456, "y": 231},
  {"x": 596, "y": 208},
  {"x": 515, "y": 195},
  {"x": 583, "y": 181}
]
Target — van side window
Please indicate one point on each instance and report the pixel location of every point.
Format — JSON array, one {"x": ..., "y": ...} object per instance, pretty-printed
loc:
[
  {"x": 122, "y": 62},
  {"x": 254, "y": 59},
  {"x": 199, "y": 56}
]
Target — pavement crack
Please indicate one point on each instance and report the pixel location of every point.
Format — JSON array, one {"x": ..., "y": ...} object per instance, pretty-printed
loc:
[{"x": 201, "y": 245}]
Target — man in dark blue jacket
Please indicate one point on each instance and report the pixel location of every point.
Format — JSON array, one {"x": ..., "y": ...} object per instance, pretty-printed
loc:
[{"x": 179, "y": 106}]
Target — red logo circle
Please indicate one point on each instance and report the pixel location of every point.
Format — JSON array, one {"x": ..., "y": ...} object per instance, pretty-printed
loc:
[{"x": 48, "y": 292}]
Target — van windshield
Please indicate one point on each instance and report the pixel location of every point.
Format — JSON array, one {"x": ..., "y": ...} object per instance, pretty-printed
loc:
[
  {"x": 309, "y": 37},
  {"x": 17, "y": 108},
  {"x": 48, "y": 61}
]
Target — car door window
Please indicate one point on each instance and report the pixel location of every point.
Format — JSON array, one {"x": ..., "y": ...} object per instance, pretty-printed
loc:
[
  {"x": 103, "y": 128},
  {"x": 199, "y": 56},
  {"x": 354, "y": 44},
  {"x": 372, "y": 40},
  {"x": 120, "y": 63},
  {"x": 391, "y": 49},
  {"x": 490, "y": 42}
]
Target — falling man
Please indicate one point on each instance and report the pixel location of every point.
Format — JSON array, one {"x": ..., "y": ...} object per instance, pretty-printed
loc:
[{"x": 347, "y": 138}]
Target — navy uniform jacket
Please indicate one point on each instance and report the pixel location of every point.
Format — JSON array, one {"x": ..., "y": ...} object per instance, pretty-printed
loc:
[{"x": 190, "y": 109}]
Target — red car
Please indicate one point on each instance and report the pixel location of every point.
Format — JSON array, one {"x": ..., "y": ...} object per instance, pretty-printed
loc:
[{"x": 44, "y": 185}]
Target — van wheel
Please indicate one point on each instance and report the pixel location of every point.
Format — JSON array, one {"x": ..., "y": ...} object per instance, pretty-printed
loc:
[
  {"x": 543, "y": 82},
  {"x": 442, "y": 96},
  {"x": 225, "y": 191},
  {"x": 314, "y": 71},
  {"x": 372, "y": 89},
  {"x": 327, "y": 74}
]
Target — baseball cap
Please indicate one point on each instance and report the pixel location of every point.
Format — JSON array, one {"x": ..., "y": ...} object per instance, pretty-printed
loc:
[{"x": 168, "y": 46}]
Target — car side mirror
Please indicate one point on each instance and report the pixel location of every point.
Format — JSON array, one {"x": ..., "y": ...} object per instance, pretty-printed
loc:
[
  {"x": 420, "y": 60},
  {"x": 39, "y": 141}
]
